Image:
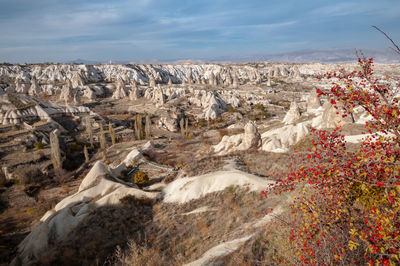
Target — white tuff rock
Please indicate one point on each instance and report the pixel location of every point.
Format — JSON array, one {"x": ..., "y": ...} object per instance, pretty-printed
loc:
[
  {"x": 248, "y": 140},
  {"x": 292, "y": 115}
]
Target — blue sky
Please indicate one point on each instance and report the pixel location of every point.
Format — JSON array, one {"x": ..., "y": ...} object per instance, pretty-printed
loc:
[{"x": 136, "y": 30}]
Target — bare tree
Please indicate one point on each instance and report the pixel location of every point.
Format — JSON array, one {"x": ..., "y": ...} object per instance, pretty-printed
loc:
[
  {"x": 138, "y": 127},
  {"x": 182, "y": 126},
  {"x": 85, "y": 152},
  {"x": 103, "y": 140},
  {"x": 396, "y": 47},
  {"x": 89, "y": 130},
  {"x": 147, "y": 127},
  {"x": 112, "y": 132},
  {"x": 55, "y": 152},
  {"x": 186, "y": 126}
]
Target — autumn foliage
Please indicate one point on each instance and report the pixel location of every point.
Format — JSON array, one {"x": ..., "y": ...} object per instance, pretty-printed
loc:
[
  {"x": 346, "y": 202},
  {"x": 141, "y": 178}
]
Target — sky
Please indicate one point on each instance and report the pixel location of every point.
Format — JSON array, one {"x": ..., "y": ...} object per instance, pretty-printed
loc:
[{"x": 145, "y": 30}]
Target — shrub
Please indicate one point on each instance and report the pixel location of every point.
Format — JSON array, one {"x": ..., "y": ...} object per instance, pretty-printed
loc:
[
  {"x": 141, "y": 178},
  {"x": 39, "y": 145},
  {"x": 201, "y": 123},
  {"x": 139, "y": 255},
  {"x": 132, "y": 200},
  {"x": 74, "y": 148},
  {"x": 347, "y": 209},
  {"x": 28, "y": 174}
]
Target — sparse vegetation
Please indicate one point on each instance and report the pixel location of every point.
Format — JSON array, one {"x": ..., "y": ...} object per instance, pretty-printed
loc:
[
  {"x": 28, "y": 174},
  {"x": 38, "y": 145},
  {"x": 141, "y": 178},
  {"x": 110, "y": 220}
]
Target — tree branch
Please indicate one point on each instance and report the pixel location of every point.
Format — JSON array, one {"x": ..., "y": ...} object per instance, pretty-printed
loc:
[{"x": 397, "y": 50}]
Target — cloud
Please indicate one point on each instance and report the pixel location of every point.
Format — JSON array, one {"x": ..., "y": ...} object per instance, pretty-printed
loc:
[{"x": 37, "y": 30}]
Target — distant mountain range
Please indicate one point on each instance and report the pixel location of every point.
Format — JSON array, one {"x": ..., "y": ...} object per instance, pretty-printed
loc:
[
  {"x": 326, "y": 55},
  {"x": 83, "y": 61}
]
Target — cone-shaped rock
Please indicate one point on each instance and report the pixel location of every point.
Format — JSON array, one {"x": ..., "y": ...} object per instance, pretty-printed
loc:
[{"x": 292, "y": 115}]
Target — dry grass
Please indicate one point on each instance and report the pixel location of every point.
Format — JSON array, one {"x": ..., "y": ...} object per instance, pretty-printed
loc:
[
  {"x": 99, "y": 234},
  {"x": 28, "y": 174},
  {"x": 264, "y": 163},
  {"x": 139, "y": 255},
  {"x": 176, "y": 239},
  {"x": 204, "y": 166}
]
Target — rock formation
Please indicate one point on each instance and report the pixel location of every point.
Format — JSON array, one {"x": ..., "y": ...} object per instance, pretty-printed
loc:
[
  {"x": 89, "y": 93},
  {"x": 331, "y": 117},
  {"x": 77, "y": 80},
  {"x": 280, "y": 139},
  {"x": 19, "y": 108},
  {"x": 34, "y": 88},
  {"x": 292, "y": 115},
  {"x": 213, "y": 105},
  {"x": 119, "y": 92},
  {"x": 313, "y": 102},
  {"x": 269, "y": 83},
  {"x": 100, "y": 187},
  {"x": 168, "y": 123},
  {"x": 134, "y": 94},
  {"x": 250, "y": 139},
  {"x": 21, "y": 87},
  {"x": 66, "y": 92},
  {"x": 212, "y": 81},
  {"x": 152, "y": 82},
  {"x": 235, "y": 82},
  {"x": 158, "y": 97},
  {"x": 190, "y": 77}
]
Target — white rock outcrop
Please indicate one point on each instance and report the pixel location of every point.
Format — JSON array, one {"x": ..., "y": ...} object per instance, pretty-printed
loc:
[
  {"x": 168, "y": 123},
  {"x": 20, "y": 108},
  {"x": 247, "y": 140},
  {"x": 185, "y": 189},
  {"x": 89, "y": 93},
  {"x": 21, "y": 86},
  {"x": 134, "y": 93},
  {"x": 313, "y": 102},
  {"x": 34, "y": 89},
  {"x": 213, "y": 105},
  {"x": 280, "y": 139},
  {"x": 120, "y": 92},
  {"x": 331, "y": 117},
  {"x": 66, "y": 92},
  {"x": 99, "y": 188},
  {"x": 77, "y": 80},
  {"x": 292, "y": 115}
]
